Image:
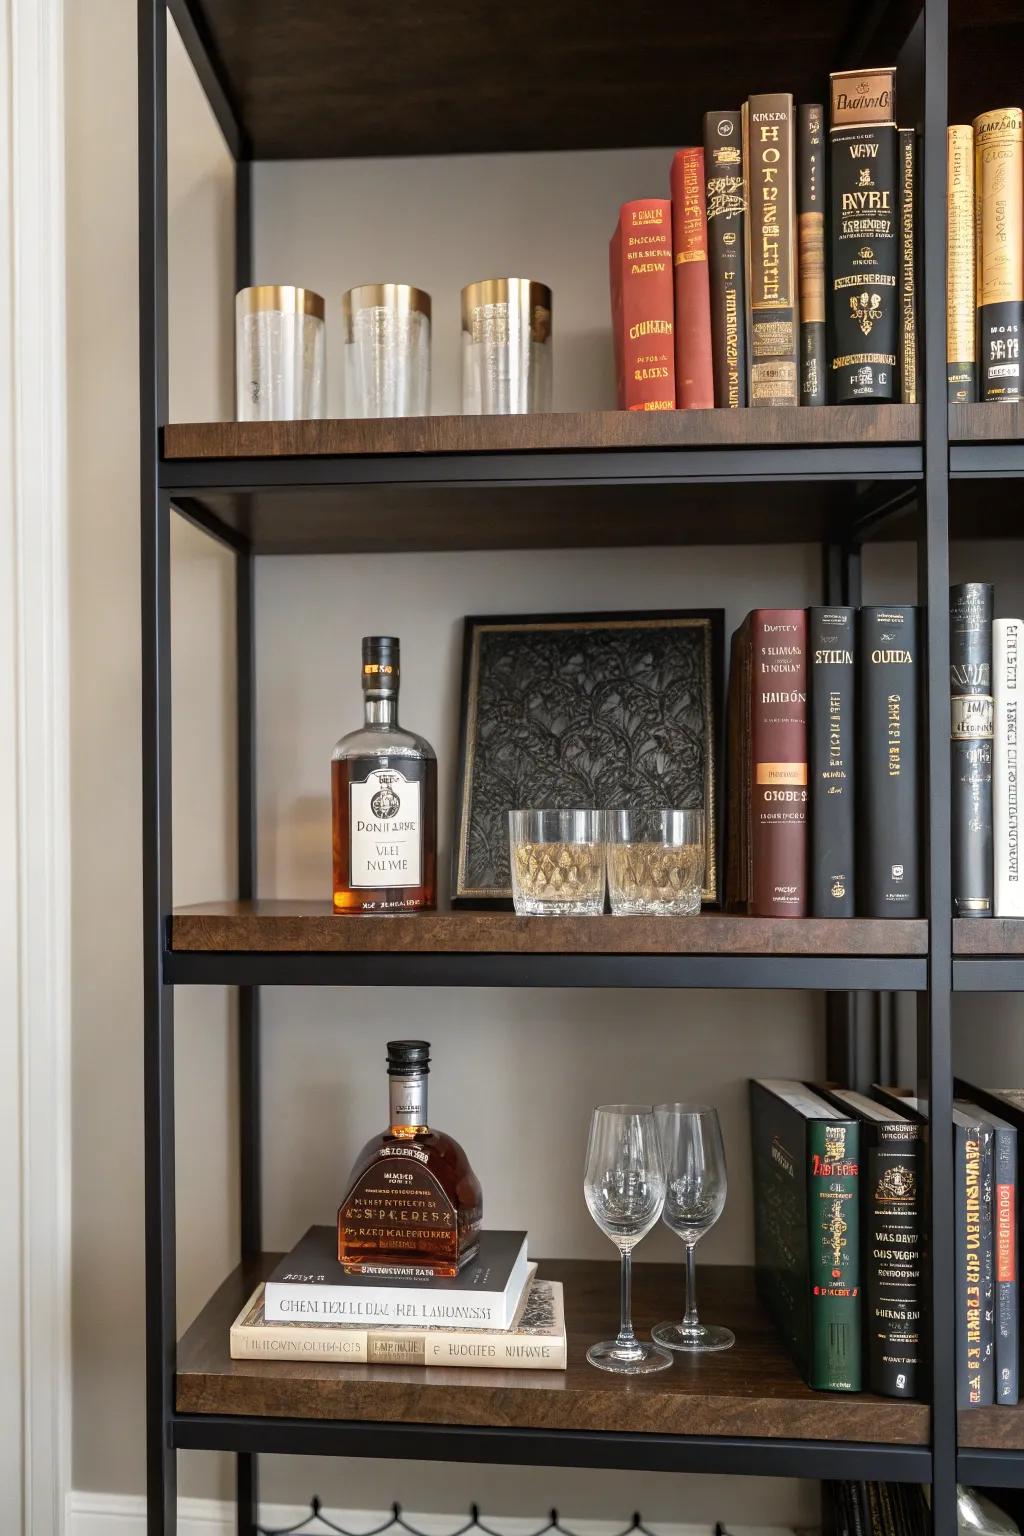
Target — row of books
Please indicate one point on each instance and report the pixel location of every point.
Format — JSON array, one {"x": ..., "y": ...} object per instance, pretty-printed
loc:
[
  {"x": 495, "y": 1312},
  {"x": 985, "y": 256},
  {"x": 986, "y": 692},
  {"x": 750, "y": 285},
  {"x": 823, "y": 786},
  {"x": 852, "y": 1508},
  {"x": 839, "y": 1183}
]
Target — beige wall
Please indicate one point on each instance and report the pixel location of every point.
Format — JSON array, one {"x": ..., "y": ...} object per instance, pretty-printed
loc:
[{"x": 516, "y": 1072}]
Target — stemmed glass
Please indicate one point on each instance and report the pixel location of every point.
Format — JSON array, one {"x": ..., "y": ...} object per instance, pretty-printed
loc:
[
  {"x": 694, "y": 1157},
  {"x": 624, "y": 1186}
]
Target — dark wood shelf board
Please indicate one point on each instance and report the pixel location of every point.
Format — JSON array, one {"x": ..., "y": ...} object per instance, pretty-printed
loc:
[
  {"x": 999, "y": 1428},
  {"x": 986, "y": 442},
  {"x": 325, "y": 79},
  {"x": 991, "y": 937},
  {"x": 751, "y": 1390},
  {"x": 551, "y": 432},
  {"x": 310, "y": 926}
]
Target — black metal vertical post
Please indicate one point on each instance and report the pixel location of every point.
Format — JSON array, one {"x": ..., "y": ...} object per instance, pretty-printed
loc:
[
  {"x": 158, "y": 1016},
  {"x": 934, "y": 1030}
]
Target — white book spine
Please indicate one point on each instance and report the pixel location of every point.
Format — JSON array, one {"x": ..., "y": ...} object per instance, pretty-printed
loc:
[
  {"x": 392, "y": 1307},
  {"x": 362, "y": 1346},
  {"x": 1007, "y": 694}
]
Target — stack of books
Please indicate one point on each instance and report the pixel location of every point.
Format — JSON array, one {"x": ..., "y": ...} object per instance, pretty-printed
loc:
[{"x": 496, "y": 1312}]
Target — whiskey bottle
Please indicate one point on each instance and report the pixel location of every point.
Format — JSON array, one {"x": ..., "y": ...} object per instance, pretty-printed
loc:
[
  {"x": 383, "y": 801},
  {"x": 413, "y": 1204}
]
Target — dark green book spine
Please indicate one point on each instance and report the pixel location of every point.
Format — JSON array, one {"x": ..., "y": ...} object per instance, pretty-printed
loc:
[{"x": 833, "y": 1219}]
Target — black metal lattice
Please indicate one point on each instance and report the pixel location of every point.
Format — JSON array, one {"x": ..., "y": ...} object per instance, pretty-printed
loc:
[{"x": 396, "y": 1521}]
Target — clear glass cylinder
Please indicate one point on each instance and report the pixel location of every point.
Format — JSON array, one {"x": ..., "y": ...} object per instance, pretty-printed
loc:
[
  {"x": 506, "y": 347},
  {"x": 557, "y": 860},
  {"x": 387, "y": 350},
  {"x": 280, "y": 354},
  {"x": 655, "y": 862}
]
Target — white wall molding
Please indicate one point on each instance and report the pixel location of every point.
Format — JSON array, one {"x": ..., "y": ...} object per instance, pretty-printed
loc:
[{"x": 34, "y": 731}]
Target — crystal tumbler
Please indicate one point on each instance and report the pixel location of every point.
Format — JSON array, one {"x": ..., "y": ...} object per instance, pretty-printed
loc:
[
  {"x": 655, "y": 862},
  {"x": 557, "y": 862},
  {"x": 387, "y": 350},
  {"x": 280, "y": 354},
  {"x": 506, "y": 347}
]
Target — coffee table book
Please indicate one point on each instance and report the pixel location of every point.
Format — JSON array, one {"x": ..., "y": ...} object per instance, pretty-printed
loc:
[
  {"x": 311, "y": 1284},
  {"x": 535, "y": 1341}
]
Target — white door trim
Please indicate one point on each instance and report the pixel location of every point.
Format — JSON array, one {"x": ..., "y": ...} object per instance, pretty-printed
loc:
[{"x": 35, "y": 1036}]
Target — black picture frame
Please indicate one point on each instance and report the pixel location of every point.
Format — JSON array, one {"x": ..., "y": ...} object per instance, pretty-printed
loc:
[{"x": 527, "y": 669}]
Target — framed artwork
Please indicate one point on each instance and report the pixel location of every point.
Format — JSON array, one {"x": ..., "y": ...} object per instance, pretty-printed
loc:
[{"x": 568, "y": 711}]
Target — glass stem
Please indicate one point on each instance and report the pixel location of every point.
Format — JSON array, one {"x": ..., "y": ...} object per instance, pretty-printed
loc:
[
  {"x": 626, "y": 1338},
  {"x": 690, "y": 1320}
]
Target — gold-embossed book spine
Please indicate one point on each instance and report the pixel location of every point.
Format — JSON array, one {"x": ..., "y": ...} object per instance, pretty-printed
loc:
[
  {"x": 961, "y": 355},
  {"x": 999, "y": 250},
  {"x": 865, "y": 237},
  {"x": 908, "y": 271},
  {"x": 772, "y": 269},
  {"x": 811, "y": 240}
]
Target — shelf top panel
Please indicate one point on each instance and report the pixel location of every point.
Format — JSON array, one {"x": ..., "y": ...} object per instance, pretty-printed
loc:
[
  {"x": 751, "y": 1390},
  {"x": 324, "y": 79},
  {"x": 307, "y": 926},
  {"x": 586, "y": 480}
]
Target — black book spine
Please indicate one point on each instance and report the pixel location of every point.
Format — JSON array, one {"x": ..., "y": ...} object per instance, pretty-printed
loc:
[
  {"x": 894, "y": 1191},
  {"x": 971, "y": 720},
  {"x": 726, "y": 192},
  {"x": 811, "y": 246},
  {"x": 865, "y": 262},
  {"x": 889, "y": 848},
  {"x": 831, "y": 649},
  {"x": 999, "y": 242},
  {"x": 908, "y": 271}
]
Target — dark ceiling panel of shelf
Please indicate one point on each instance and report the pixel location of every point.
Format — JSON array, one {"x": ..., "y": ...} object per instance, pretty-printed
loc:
[
  {"x": 985, "y": 52},
  {"x": 314, "y": 79}
]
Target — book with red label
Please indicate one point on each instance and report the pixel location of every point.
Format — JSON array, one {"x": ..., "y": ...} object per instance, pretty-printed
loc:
[
  {"x": 643, "y": 306},
  {"x": 695, "y": 388},
  {"x": 767, "y": 736},
  {"x": 1003, "y": 1110}
]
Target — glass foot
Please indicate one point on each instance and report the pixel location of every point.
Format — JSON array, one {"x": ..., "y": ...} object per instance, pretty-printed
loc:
[
  {"x": 638, "y": 1359},
  {"x": 704, "y": 1339}
]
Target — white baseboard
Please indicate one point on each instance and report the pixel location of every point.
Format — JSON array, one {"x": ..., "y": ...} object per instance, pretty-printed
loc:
[{"x": 113, "y": 1514}]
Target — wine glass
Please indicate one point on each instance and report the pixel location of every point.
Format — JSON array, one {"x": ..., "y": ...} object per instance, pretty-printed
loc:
[
  {"x": 694, "y": 1157},
  {"x": 624, "y": 1185}
]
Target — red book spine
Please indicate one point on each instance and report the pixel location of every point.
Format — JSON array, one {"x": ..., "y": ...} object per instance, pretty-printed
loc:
[
  {"x": 778, "y": 724},
  {"x": 695, "y": 387},
  {"x": 640, "y": 260}
]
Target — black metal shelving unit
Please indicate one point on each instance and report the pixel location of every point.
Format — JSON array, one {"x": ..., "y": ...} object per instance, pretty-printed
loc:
[{"x": 874, "y": 488}]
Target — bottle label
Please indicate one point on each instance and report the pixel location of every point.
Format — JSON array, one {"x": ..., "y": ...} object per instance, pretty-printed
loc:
[
  {"x": 397, "y": 1209},
  {"x": 408, "y": 1100},
  {"x": 385, "y": 830}
]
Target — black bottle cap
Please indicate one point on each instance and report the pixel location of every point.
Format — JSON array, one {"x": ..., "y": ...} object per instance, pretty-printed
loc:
[
  {"x": 380, "y": 664},
  {"x": 408, "y": 1058}
]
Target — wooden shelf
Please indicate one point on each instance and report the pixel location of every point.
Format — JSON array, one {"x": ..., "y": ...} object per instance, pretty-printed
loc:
[
  {"x": 751, "y": 1390},
  {"x": 551, "y": 432},
  {"x": 330, "y": 78},
  {"x": 308, "y": 926},
  {"x": 992, "y": 1429},
  {"x": 989, "y": 936}
]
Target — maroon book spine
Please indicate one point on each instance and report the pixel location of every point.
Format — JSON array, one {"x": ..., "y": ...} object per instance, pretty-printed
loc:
[
  {"x": 778, "y": 727},
  {"x": 695, "y": 387},
  {"x": 640, "y": 270}
]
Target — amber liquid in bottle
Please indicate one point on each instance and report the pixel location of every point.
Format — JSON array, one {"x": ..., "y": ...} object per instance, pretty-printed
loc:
[
  {"x": 414, "y": 1204},
  {"x": 383, "y": 801}
]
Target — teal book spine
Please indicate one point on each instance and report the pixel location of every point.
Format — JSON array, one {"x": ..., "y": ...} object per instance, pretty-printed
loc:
[{"x": 833, "y": 1219}]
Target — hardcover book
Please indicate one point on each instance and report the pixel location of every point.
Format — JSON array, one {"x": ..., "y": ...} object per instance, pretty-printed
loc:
[
  {"x": 535, "y": 1340},
  {"x": 865, "y": 236},
  {"x": 975, "y": 1294},
  {"x": 831, "y": 648},
  {"x": 908, "y": 361},
  {"x": 310, "y": 1284},
  {"x": 769, "y": 154},
  {"x": 726, "y": 198},
  {"x": 889, "y": 849},
  {"x": 694, "y": 384},
  {"x": 971, "y": 711},
  {"x": 640, "y": 268},
  {"x": 1004, "y": 1122},
  {"x": 961, "y": 366},
  {"x": 892, "y": 1224},
  {"x": 767, "y": 865},
  {"x": 1007, "y": 687},
  {"x": 999, "y": 250},
  {"x": 806, "y": 1160},
  {"x": 811, "y": 242}
]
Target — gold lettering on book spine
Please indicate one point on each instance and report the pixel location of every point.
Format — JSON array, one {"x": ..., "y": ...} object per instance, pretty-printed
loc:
[
  {"x": 960, "y": 278},
  {"x": 998, "y": 192}
]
